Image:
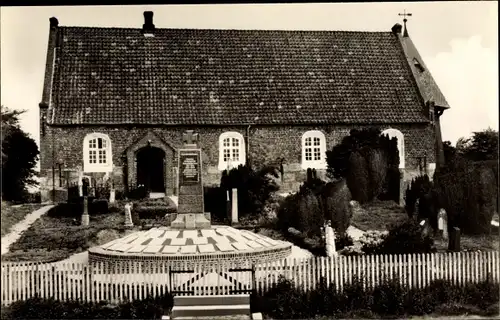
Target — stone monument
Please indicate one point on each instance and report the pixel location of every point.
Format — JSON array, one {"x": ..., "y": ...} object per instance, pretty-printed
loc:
[
  {"x": 190, "y": 212},
  {"x": 128, "y": 216},
  {"x": 443, "y": 224}
]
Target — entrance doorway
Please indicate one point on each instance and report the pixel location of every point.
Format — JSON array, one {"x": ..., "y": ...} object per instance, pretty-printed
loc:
[{"x": 151, "y": 169}]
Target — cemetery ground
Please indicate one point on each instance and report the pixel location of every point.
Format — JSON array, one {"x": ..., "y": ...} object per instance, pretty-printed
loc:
[
  {"x": 12, "y": 214},
  {"x": 56, "y": 235}
]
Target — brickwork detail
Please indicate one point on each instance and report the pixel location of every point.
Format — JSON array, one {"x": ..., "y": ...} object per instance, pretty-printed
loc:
[{"x": 266, "y": 144}]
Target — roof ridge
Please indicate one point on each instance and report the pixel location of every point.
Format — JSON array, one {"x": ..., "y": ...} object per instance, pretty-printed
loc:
[{"x": 222, "y": 29}]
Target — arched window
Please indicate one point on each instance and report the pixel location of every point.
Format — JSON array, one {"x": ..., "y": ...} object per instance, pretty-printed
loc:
[
  {"x": 97, "y": 155},
  {"x": 231, "y": 150},
  {"x": 401, "y": 144},
  {"x": 313, "y": 150}
]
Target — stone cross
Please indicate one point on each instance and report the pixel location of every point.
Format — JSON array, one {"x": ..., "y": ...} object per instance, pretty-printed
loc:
[{"x": 190, "y": 138}]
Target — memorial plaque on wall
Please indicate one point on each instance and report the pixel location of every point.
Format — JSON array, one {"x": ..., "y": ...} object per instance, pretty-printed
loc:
[{"x": 189, "y": 168}]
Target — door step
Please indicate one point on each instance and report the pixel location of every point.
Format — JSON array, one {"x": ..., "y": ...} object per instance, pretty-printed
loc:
[{"x": 226, "y": 306}]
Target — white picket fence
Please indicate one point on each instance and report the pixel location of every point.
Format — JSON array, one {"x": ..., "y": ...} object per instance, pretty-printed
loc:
[{"x": 117, "y": 282}]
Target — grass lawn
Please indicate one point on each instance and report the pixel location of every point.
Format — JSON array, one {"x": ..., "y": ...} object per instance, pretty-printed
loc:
[
  {"x": 379, "y": 215},
  {"x": 14, "y": 214},
  {"x": 472, "y": 242},
  {"x": 56, "y": 238}
]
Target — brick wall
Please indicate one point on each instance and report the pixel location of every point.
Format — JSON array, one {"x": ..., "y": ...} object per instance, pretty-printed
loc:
[{"x": 266, "y": 145}]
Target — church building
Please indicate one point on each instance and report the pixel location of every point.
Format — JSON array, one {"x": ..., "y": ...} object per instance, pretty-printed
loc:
[{"x": 117, "y": 102}]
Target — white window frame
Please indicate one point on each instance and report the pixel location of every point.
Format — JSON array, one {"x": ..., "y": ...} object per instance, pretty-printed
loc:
[
  {"x": 401, "y": 144},
  {"x": 226, "y": 144},
  {"x": 311, "y": 142},
  {"x": 107, "y": 166}
]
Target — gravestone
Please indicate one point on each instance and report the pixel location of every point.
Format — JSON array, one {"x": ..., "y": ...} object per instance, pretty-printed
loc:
[
  {"x": 443, "y": 224},
  {"x": 190, "y": 208},
  {"x": 454, "y": 243},
  {"x": 128, "y": 216},
  {"x": 234, "y": 208}
]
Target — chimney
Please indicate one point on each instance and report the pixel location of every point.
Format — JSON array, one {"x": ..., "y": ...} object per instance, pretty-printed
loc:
[
  {"x": 148, "y": 27},
  {"x": 53, "y": 22},
  {"x": 397, "y": 28}
]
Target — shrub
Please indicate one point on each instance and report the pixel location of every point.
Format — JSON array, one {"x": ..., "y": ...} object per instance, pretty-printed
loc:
[
  {"x": 37, "y": 308},
  {"x": 388, "y": 297},
  {"x": 335, "y": 198},
  {"x": 215, "y": 201},
  {"x": 418, "y": 187},
  {"x": 137, "y": 193},
  {"x": 254, "y": 187},
  {"x": 403, "y": 239},
  {"x": 153, "y": 212},
  {"x": 343, "y": 240},
  {"x": 377, "y": 168},
  {"x": 469, "y": 194},
  {"x": 358, "y": 178},
  {"x": 284, "y": 301}
]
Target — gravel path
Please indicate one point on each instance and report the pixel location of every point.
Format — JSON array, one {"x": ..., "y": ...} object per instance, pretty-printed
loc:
[{"x": 17, "y": 230}]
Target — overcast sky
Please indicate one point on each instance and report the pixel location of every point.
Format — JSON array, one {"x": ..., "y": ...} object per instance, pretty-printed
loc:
[{"x": 457, "y": 40}]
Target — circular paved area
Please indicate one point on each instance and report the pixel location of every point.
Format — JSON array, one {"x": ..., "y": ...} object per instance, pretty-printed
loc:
[{"x": 167, "y": 243}]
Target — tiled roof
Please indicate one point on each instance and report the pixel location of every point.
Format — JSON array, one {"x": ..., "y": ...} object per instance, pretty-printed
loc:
[{"x": 212, "y": 77}]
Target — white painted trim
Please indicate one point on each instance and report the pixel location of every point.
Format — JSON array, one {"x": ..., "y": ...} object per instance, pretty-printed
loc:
[
  {"x": 318, "y": 164},
  {"x": 87, "y": 167},
  {"x": 401, "y": 144},
  {"x": 223, "y": 165}
]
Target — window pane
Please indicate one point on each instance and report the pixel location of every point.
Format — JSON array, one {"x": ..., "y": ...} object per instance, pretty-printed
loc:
[
  {"x": 227, "y": 154},
  {"x": 308, "y": 154},
  {"x": 317, "y": 154},
  {"x": 92, "y": 157},
  {"x": 236, "y": 142},
  {"x": 236, "y": 155},
  {"x": 102, "y": 156},
  {"x": 92, "y": 144},
  {"x": 316, "y": 141},
  {"x": 308, "y": 141},
  {"x": 104, "y": 143},
  {"x": 99, "y": 143},
  {"x": 226, "y": 142}
]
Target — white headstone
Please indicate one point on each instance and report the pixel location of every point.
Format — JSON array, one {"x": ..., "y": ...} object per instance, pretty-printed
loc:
[
  {"x": 128, "y": 215},
  {"x": 331, "y": 251},
  {"x": 234, "y": 208}
]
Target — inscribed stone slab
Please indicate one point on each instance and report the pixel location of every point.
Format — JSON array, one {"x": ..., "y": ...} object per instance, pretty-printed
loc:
[
  {"x": 157, "y": 241},
  {"x": 220, "y": 239},
  {"x": 208, "y": 233},
  {"x": 170, "y": 249},
  {"x": 224, "y": 247},
  {"x": 263, "y": 242},
  {"x": 200, "y": 240},
  {"x": 171, "y": 234},
  {"x": 137, "y": 248},
  {"x": 124, "y": 248},
  {"x": 249, "y": 235},
  {"x": 109, "y": 244},
  {"x": 254, "y": 244},
  {"x": 152, "y": 249},
  {"x": 190, "y": 233},
  {"x": 178, "y": 241},
  {"x": 206, "y": 248},
  {"x": 240, "y": 246},
  {"x": 188, "y": 249}
]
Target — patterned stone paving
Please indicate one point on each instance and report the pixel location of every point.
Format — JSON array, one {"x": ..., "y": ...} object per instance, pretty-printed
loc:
[{"x": 165, "y": 241}]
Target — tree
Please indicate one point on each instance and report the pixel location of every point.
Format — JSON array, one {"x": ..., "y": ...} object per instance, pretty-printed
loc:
[
  {"x": 482, "y": 146},
  {"x": 19, "y": 157}
]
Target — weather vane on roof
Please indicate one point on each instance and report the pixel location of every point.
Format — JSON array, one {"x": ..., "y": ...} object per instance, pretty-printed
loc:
[{"x": 404, "y": 14}]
